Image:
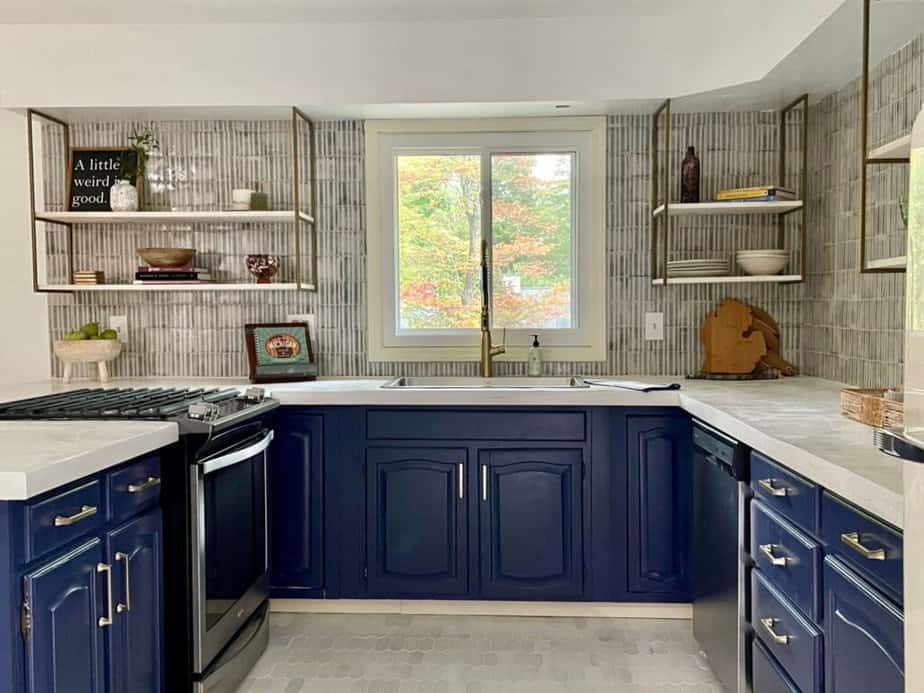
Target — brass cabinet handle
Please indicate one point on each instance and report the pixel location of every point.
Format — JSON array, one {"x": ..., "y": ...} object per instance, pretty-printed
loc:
[
  {"x": 84, "y": 512},
  {"x": 773, "y": 490},
  {"x": 106, "y": 568},
  {"x": 767, "y": 550},
  {"x": 852, "y": 539},
  {"x": 461, "y": 481},
  {"x": 484, "y": 482},
  {"x": 127, "y": 606},
  {"x": 768, "y": 624},
  {"x": 140, "y": 486}
]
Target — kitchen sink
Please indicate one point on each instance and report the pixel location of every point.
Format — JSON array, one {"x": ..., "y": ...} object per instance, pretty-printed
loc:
[{"x": 506, "y": 383}]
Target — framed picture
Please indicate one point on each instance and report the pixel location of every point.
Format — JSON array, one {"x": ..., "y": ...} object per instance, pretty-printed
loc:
[
  {"x": 91, "y": 172},
  {"x": 280, "y": 352}
]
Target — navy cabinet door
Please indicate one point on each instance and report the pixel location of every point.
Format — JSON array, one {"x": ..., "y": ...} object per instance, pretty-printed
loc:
[
  {"x": 135, "y": 551},
  {"x": 66, "y": 597},
  {"x": 296, "y": 472},
  {"x": 531, "y": 524},
  {"x": 659, "y": 505},
  {"x": 417, "y": 538},
  {"x": 864, "y": 635}
]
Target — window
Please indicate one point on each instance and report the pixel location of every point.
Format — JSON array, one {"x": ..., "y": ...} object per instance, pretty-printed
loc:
[{"x": 532, "y": 189}]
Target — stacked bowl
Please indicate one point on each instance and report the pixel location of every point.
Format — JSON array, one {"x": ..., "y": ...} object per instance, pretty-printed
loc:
[{"x": 759, "y": 263}]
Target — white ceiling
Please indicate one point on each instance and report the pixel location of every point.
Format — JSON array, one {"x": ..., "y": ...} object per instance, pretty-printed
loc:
[{"x": 186, "y": 11}]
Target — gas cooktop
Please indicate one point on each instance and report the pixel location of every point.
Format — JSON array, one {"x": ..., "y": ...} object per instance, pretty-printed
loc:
[{"x": 195, "y": 409}]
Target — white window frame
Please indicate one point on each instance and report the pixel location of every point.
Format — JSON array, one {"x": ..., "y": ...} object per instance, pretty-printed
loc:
[{"x": 584, "y": 136}]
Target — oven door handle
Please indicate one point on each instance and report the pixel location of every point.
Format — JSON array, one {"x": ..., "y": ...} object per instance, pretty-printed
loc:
[{"x": 233, "y": 457}]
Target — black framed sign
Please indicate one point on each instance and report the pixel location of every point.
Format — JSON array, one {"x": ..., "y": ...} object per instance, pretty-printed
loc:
[
  {"x": 91, "y": 172},
  {"x": 280, "y": 352}
]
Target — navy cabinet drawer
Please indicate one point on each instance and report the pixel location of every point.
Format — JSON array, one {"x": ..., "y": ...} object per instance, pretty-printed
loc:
[
  {"x": 792, "y": 640},
  {"x": 790, "y": 559},
  {"x": 459, "y": 424},
  {"x": 767, "y": 676},
  {"x": 864, "y": 635},
  {"x": 59, "y": 519},
  {"x": 133, "y": 488},
  {"x": 785, "y": 492},
  {"x": 866, "y": 544}
]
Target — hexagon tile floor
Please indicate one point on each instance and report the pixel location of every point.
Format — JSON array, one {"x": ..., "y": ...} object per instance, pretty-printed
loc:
[{"x": 336, "y": 653}]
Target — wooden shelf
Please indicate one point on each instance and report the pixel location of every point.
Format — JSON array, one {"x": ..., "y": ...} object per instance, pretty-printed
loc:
[
  {"x": 888, "y": 263},
  {"x": 899, "y": 148},
  {"x": 767, "y": 279},
  {"x": 217, "y": 217},
  {"x": 288, "y": 286},
  {"x": 691, "y": 209}
]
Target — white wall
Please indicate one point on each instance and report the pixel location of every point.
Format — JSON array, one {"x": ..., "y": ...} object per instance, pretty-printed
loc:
[
  {"x": 479, "y": 61},
  {"x": 23, "y": 315}
]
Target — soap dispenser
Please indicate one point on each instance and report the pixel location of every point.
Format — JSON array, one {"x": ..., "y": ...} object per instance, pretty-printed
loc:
[{"x": 534, "y": 360}]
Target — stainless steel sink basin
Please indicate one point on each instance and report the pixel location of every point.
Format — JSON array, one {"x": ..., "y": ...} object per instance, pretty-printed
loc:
[{"x": 507, "y": 383}]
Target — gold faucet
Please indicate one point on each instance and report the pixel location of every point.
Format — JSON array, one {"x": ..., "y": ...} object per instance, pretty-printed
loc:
[{"x": 488, "y": 350}]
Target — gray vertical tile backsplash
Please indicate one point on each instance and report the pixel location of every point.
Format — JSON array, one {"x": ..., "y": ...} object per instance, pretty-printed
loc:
[{"x": 839, "y": 324}]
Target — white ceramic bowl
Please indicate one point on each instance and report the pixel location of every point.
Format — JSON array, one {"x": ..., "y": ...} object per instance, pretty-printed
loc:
[
  {"x": 758, "y": 266},
  {"x": 97, "y": 351}
]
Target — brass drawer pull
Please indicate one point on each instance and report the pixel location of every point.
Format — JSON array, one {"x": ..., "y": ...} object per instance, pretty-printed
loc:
[
  {"x": 767, "y": 550},
  {"x": 68, "y": 520},
  {"x": 768, "y": 624},
  {"x": 773, "y": 490},
  {"x": 150, "y": 482},
  {"x": 127, "y": 606},
  {"x": 852, "y": 539},
  {"x": 106, "y": 568}
]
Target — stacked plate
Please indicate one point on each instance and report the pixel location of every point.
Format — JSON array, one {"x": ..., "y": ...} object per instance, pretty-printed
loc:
[
  {"x": 762, "y": 262},
  {"x": 706, "y": 267}
]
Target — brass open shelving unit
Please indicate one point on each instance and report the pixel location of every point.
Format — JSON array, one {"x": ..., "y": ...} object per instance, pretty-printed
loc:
[
  {"x": 299, "y": 217},
  {"x": 663, "y": 210}
]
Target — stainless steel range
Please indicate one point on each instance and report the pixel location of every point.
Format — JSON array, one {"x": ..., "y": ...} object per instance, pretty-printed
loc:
[{"x": 216, "y": 560}]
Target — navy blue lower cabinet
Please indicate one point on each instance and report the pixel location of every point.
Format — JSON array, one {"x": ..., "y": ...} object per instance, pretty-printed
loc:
[
  {"x": 531, "y": 524},
  {"x": 864, "y": 635},
  {"x": 65, "y": 645},
  {"x": 136, "y": 639},
  {"x": 659, "y": 499},
  {"x": 296, "y": 478},
  {"x": 417, "y": 522}
]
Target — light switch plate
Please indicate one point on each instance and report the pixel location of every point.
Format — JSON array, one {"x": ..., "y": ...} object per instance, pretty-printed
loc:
[
  {"x": 654, "y": 327},
  {"x": 119, "y": 323}
]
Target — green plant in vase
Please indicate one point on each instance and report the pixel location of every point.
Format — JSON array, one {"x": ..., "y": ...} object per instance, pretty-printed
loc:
[{"x": 124, "y": 196}]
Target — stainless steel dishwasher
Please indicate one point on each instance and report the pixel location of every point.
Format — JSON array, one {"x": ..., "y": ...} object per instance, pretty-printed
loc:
[{"x": 719, "y": 565}]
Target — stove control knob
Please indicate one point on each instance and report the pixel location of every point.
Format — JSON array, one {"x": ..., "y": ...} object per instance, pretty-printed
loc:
[
  {"x": 253, "y": 394},
  {"x": 203, "y": 411}
]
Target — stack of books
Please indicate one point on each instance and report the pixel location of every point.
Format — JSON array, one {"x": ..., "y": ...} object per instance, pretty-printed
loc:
[
  {"x": 761, "y": 193},
  {"x": 89, "y": 277},
  {"x": 185, "y": 274}
]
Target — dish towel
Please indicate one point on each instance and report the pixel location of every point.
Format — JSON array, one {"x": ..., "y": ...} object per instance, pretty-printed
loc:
[{"x": 634, "y": 385}]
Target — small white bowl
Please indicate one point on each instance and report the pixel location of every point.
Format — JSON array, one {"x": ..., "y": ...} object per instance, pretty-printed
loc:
[
  {"x": 98, "y": 351},
  {"x": 762, "y": 266}
]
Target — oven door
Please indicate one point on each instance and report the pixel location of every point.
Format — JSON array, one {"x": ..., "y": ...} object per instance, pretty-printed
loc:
[{"x": 230, "y": 560}]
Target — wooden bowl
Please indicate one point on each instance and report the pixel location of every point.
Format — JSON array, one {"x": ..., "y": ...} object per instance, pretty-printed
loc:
[
  {"x": 97, "y": 351},
  {"x": 167, "y": 257}
]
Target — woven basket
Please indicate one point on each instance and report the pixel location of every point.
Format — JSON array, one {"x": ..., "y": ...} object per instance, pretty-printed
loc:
[{"x": 872, "y": 408}]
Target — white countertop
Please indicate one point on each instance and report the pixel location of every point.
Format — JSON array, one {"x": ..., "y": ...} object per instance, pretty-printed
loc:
[
  {"x": 796, "y": 421},
  {"x": 37, "y": 456}
]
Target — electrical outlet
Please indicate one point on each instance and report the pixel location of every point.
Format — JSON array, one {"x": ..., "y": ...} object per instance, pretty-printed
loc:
[
  {"x": 119, "y": 323},
  {"x": 654, "y": 327}
]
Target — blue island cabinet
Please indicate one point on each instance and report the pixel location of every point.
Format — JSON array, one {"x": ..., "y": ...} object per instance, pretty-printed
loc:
[
  {"x": 84, "y": 608},
  {"x": 417, "y": 522}
]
